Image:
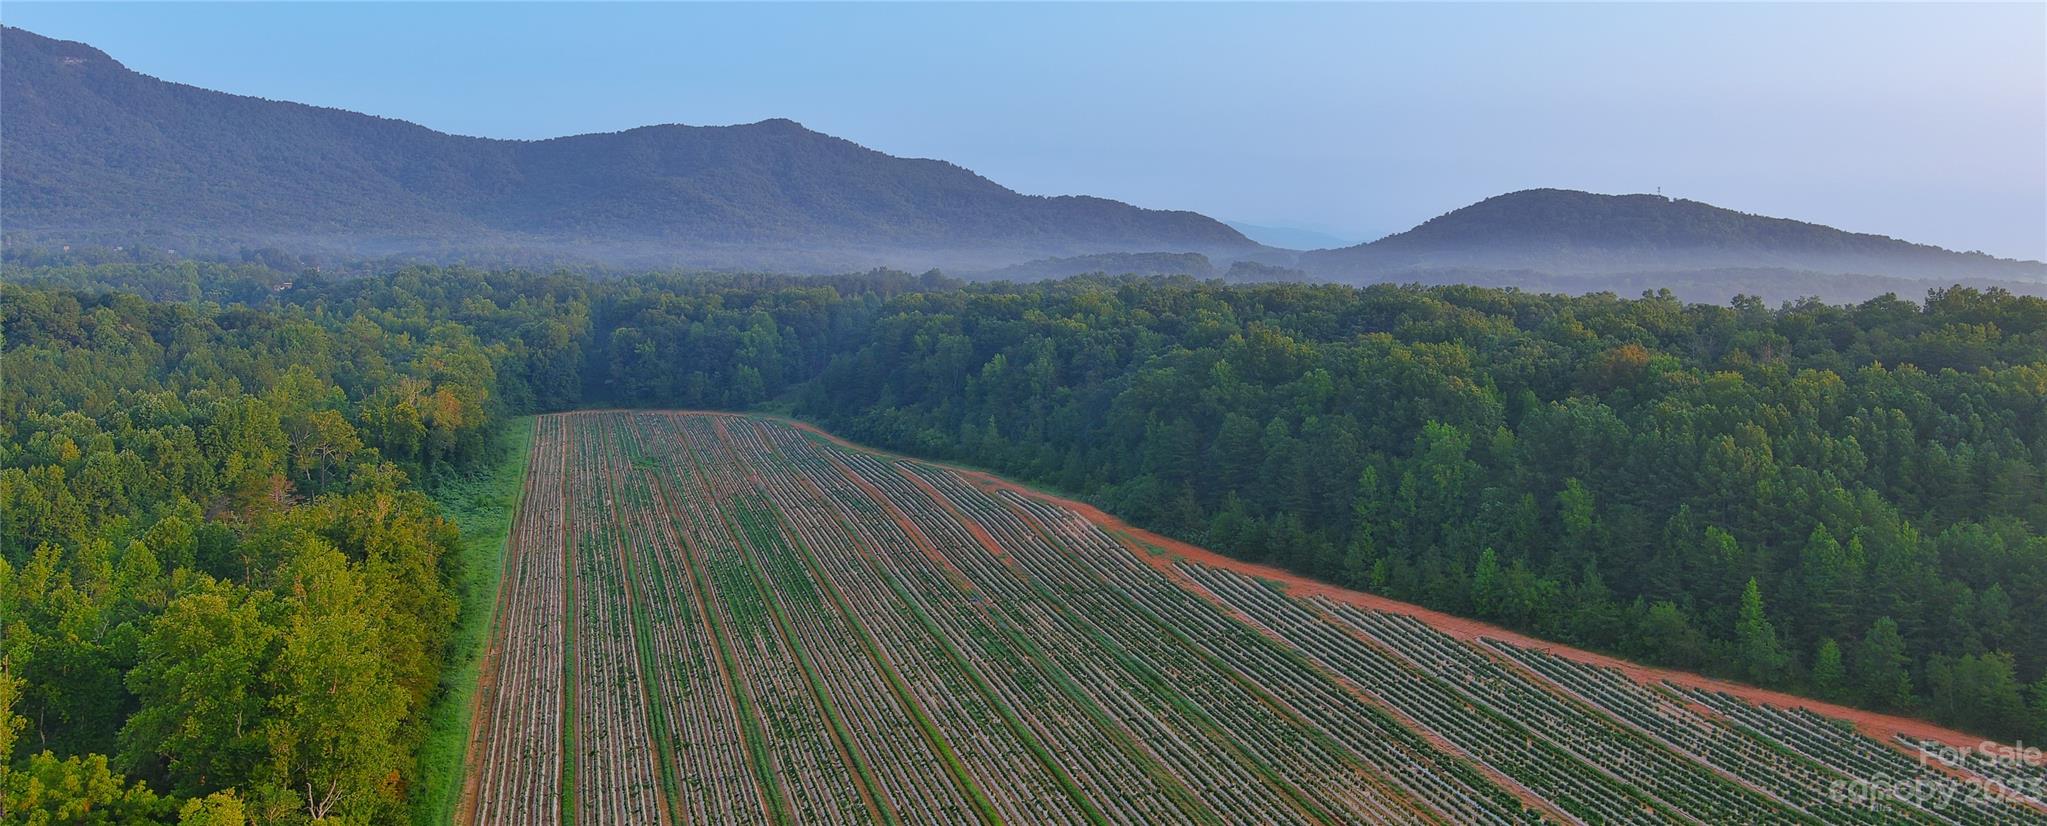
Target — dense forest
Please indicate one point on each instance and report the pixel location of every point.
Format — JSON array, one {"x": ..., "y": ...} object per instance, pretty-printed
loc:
[
  {"x": 1841, "y": 501},
  {"x": 213, "y": 518}
]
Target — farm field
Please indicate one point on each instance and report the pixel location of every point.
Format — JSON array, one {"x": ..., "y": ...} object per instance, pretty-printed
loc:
[{"x": 712, "y": 618}]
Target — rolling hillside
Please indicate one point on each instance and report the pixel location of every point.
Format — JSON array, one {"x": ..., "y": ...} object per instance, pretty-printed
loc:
[
  {"x": 1565, "y": 232},
  {"x": 97, "y": 152}
]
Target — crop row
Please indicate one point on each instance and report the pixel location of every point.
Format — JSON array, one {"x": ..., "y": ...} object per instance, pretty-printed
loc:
[
  {"x": 797, "y": 737},
  {"x": 971, "y": 685},
  {"x": 698, "y": 738},
  {"x": 516, "y": 756},
  {"x": 615, "y": 778},
  {"x": 1128, "y": 751},
  {"x": 1400, "y": 767},
  {"x": 1883, "y": 770},
  {"x": 1799, "y": 783},
  {"x": 1366, "y": 733},
  {"x": 720, "y": 619},
  {"x": 2014, "y": 774},
  {"x": 886, "y": 730},
  {"x": 1497, "y": 741},
  {"x": 1684, "y": 785}
]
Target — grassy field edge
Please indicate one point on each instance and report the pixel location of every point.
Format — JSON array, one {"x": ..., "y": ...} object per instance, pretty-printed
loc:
[{"x": 483, "y": 508}]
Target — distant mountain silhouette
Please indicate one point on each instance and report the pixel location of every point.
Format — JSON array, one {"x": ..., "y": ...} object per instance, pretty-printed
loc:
[
  {"x": 1292, "y": 238},
  {"x": 95, "y": 151},
  {"x": 1565, "y": 232}
]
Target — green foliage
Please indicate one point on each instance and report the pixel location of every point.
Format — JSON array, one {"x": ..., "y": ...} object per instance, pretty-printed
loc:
[
  {"x": 1632, "y": 465},
  {"x": 333, "y": 728},
  {"x": 1829, "y": 672},
  {"x": 210, "y": 514},
  {"x": 1762, "y": 654},
  {"x": 1977, "y": 691},
  {"x": 217, "y": 809},
  {"x": 1880, "y": 668},
  {"x": 482, "y": 506},
  {"x": 199, "y": 678},
  {"x": 80, "y": 791},
  {"x": 216, "y": 568}
]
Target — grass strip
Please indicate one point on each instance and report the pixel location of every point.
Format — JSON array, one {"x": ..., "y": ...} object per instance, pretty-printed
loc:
[{"x": 482, "y": 507}]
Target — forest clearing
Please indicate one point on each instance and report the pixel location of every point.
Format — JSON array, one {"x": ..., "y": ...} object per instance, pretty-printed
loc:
[{"x": 725, "y": 618}]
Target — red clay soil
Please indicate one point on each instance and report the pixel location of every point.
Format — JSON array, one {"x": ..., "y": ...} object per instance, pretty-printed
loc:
[{"x": 1880, "y": 726}]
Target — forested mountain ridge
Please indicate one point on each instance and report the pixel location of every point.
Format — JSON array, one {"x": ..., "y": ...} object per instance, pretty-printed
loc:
[
  {"x": 97, "y": 152},
  {"x": 1567, "y": 232}
]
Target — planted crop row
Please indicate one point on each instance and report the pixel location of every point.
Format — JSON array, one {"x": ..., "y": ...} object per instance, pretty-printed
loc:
[
  {"x": 848, "y": 533},
  {"x": 1836, "y": 744},
  {"x": 905, "y": 765},
  {"x": 1684, "y": 785},
  {"x": 705, "y": 767},
  {"x": 2013, "y": 775},
  {"x": 1098, "y": 726},
  {"x": 615, "y": 774},
  {"x": 1541, "y": 766},
  {"x": 1298, "y": 730},
  {"x": 1400, "y": 766},
  {"x": 802, "y": 750},
  {"x": 1800, "y": 783},
  {"x": 516, "y": 760},
  {"x": 720, "y": 619}
]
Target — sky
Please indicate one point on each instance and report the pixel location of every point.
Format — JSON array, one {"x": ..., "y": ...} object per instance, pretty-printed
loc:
[{"x": 1922, "y": 121}]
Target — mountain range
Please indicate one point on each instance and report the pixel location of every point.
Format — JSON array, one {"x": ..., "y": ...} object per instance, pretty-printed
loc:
[
  {"x": 93, "y": 148},
  {"x": 92, "y": 152}
]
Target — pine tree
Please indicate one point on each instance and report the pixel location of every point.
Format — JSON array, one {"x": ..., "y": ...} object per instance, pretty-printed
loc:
[
  {"x": 1829, "y": 672},
  {"x": 1488, "y": 585},
  {"x": 1762, "y": 654},
  {"x": 1880, "y": 675},
  {"x": 1829, "y": 573}
]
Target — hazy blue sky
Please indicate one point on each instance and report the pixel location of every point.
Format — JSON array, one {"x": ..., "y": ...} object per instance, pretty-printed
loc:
[{"x": 1927, "y": 122}]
